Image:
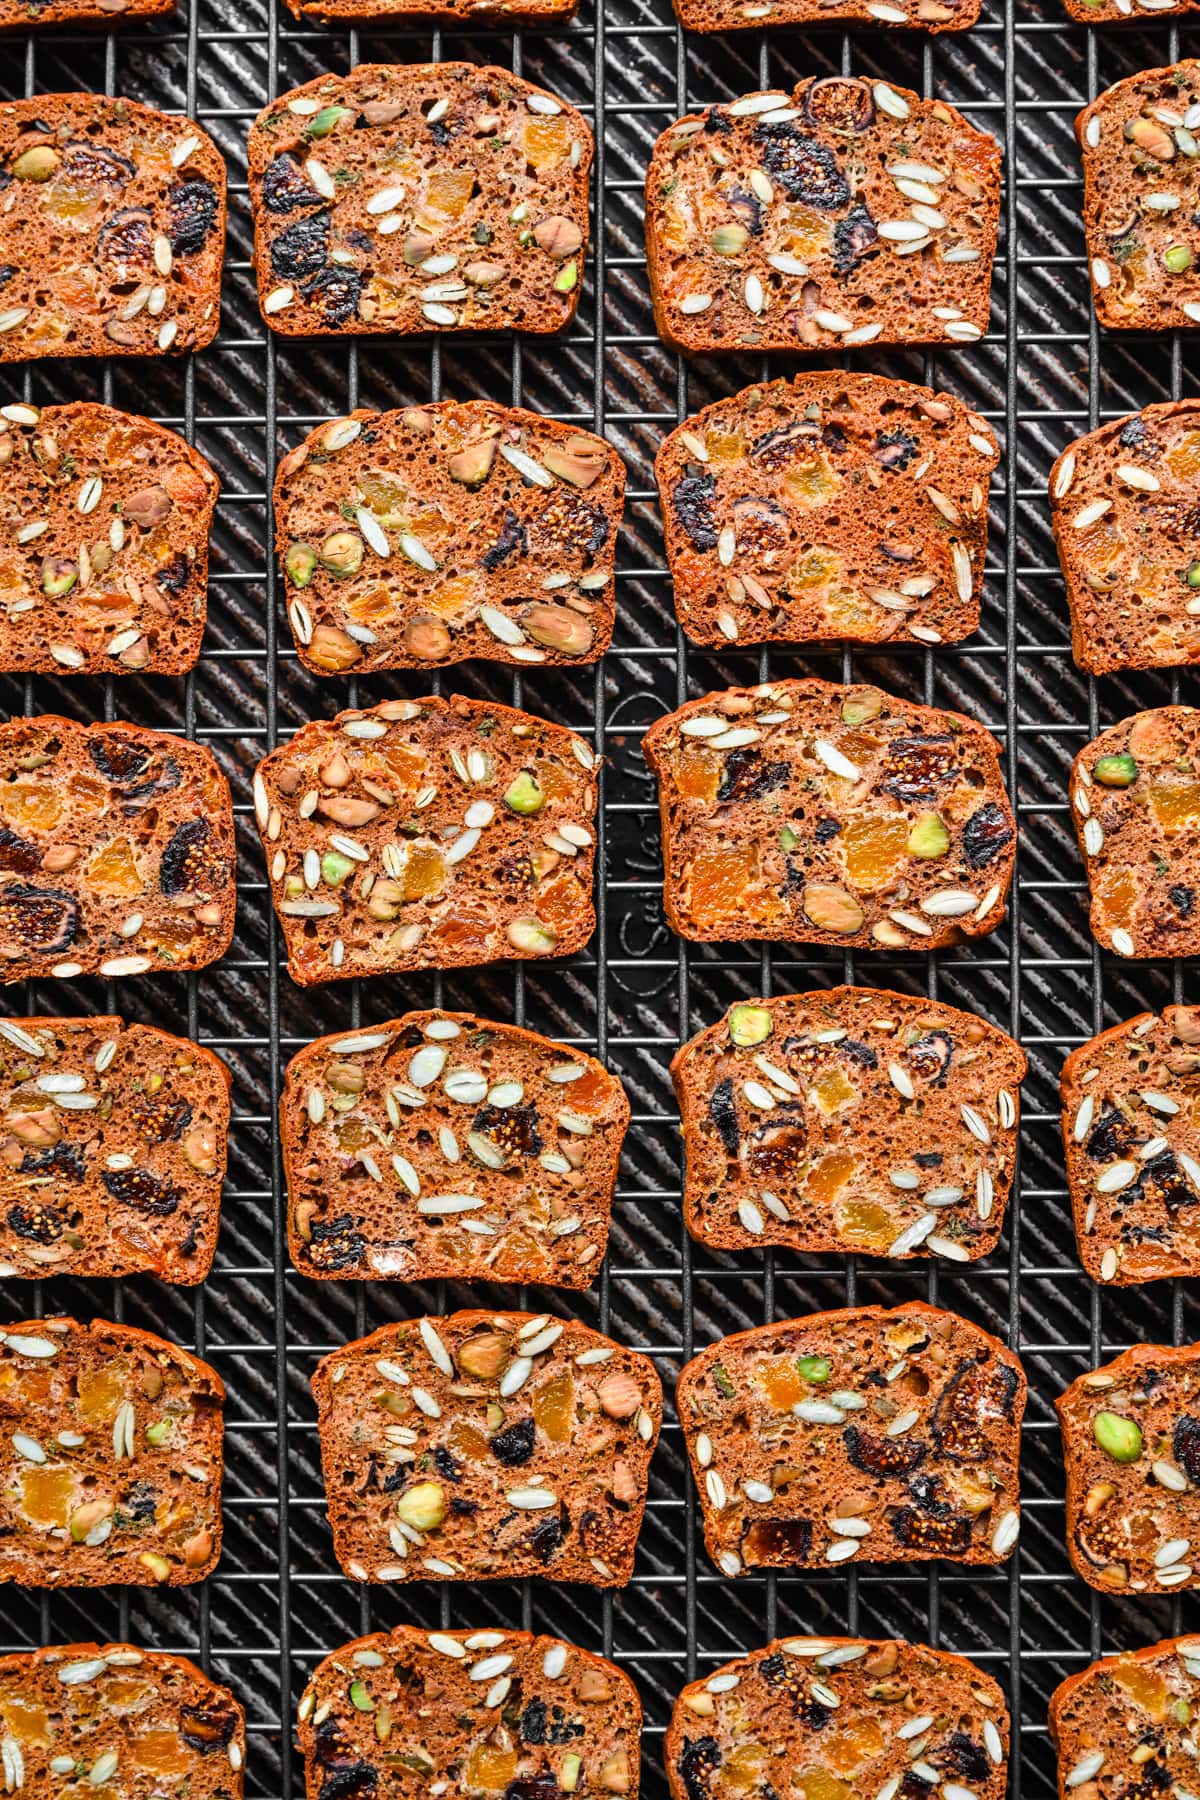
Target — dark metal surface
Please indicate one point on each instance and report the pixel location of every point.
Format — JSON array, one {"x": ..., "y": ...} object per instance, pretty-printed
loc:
[{"x": 277, "y": 1602}]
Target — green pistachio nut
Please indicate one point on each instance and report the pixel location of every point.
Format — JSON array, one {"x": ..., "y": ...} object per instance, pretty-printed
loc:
[
  {"x": 1178, "y": 258},
  {"x": 342, "y": 553},
  {"x": 360, "y": 1697},
  {"x": 334, "y": 868},
  {"x": 1117, "y": 1437},
  {"x": 749, "y": 1025},
  {"x": 423, "y": 1506},
  {"x": 299, "y": 563},
  {"x": 524, "y": 795},
  {"x": 1116, "y": 771},
  {"x": 928, "y": 836},
  {"x": 327, "y": 120},
  {"x": 814, "y": 1368}
]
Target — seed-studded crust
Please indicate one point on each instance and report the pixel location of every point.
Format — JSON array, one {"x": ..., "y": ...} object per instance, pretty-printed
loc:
[
  {"x": 1103, "y": 1721},
  {"x": 112, "y": 233},
  {"x": 820, "y": 814},
  {"x": 1141, "y": 186},
  {"x": 506, "y": 13},
  {"x": 1137, "y": 837},
  {"x": 1121, "y": 501},
  {"x": 803, "y": 180},
  {"x": 360, "y": 182},
  {"x": 1133, "y": 1515},
  {"x": 116, "y": 851},
  {"x": 112, "y": 1505},
  {"x": 436, "y": 1475},
  {"x": 359, "y": 814},
  {"x": 745, "y": 15},
  {"x": 474, "y": 1711},
  {"x": 418, "y": 538},
  {"x": 31, "y": 15},
  {"x": 104, "y": 524},
  {"x": 778, "y": 1489},
  {"x": 768, "y": 1720},
  {"x": 442, "y": 1145},
  {"x": 849, "y": 1119},
  {"x": 113, "y": 1143},
  {"x": 154, "y": 1719},
  {"x": 828, "y": 506},
  {"x": 1130, "y": 1106}
]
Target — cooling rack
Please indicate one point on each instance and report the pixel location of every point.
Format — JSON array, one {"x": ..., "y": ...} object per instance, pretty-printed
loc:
[{"x": 1041, "y": 376}]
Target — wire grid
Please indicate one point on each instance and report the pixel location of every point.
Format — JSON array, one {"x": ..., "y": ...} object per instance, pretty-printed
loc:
[{"x": 277, "y": 1601}]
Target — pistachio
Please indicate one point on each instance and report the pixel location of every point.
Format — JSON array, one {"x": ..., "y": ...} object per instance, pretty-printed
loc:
[
  {"x": 1178, "y": 258},
  {"x": 524, "y": 795},
  {"x": 1118, "y": 1437},
  {"x": 327, "y": 120},
  {"x": 534, "y": 936},
  {"x": 558, "y": 236},
  {"x": 158, "y": 1566},
  {"x": 1150, "y": 137},
  {"x": 832, "y": 908},
  {"x": 1116, "y": 771},
  {"x": 158, "y": 1433},
  {"x": 37, "y": 164},
  {"x": 861, "y": 706},
  {"x": 360, "y": 1697},
  {"x": 1193, "y": 575},
  {"x": 619, "y": 1395},
  {"x": 568, "y": 1774},
  {"x": 558, "y": 628},
  {"x": 814, "y": 1368},
  {"x": 749, "y": 1025},
  {"x": 484, "y": 1355},
  {"x": 427, "y": 637},
  {"x": 729, "y": 240},
  {"x": 299, "y": 564},
  {"x": 567, "y": 278},
  {"x": 423, "y": 1506},
  {"x": 334, "y": 868},
  {"x": 473, "y": 464},
  {"x": 332, "y": 649},
  {"x": 59, "y": 576},
  {"x": 788, "y": 841},
  {"x": 928, "y": 836},
  {"x": 342, "y": 553}
]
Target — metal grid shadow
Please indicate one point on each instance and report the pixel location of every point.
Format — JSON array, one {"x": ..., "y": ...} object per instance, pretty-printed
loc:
[{"x": 1042, "y": 374}]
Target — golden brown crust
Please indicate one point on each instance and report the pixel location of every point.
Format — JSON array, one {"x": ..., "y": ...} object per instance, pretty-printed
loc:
[
  {"x": 150, "y": 258},
  {"x": 75, "y": 1514},
  {"x": 1135, "y": 803},
  {"x": 1141, "y": 1229},
  {"x": 1131, "y": 1450},
  {"x": 547, "y": 1441},
  {"x": 828, "y": 506},
  {"x": 89, "y": 1702},
  {"x": 750, "y": 779},
  {"x": 727, "y": 295},
  {"x": 471, "y": 834},
  {"x": 334, "y": 262},
  {"x": 113, "y": 1145},
  {"x": 545, "y": 1207},
  {"x": 34, "y": 15},
  {"x": 492, "y": 534},
  {"x": 426, "y": 1704},
  {"x": 1137, "y": 142},
  {"x": 1102, "y": 1718},
  {"x": 117, "y": 855},
  {"x": 761, "y": 1713},
  {"x": 779, "y": 1489},
  {"x": 1120, "y": 499},
  {"x": 811, "y": 1121},
  {"x": 127, "y": 591}
]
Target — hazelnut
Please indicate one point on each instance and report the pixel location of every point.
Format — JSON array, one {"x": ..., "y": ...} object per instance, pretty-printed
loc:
[{"x": 620, "y": 1395}]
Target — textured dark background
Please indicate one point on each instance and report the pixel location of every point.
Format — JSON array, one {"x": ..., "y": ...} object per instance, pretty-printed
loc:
[{"x": 1041, "y": 376}]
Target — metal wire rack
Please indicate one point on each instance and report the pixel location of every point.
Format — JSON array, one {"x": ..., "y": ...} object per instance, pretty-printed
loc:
[{"x": 1042, "y": 375}]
